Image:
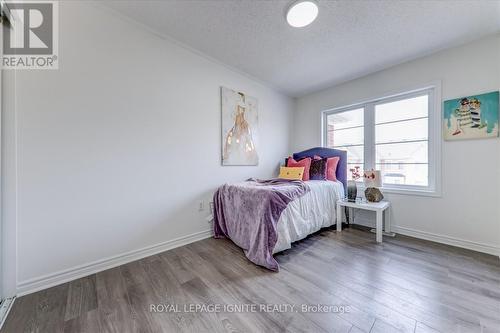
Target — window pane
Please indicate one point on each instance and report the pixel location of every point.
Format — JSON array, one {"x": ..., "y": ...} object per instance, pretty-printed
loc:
[
  {"x": 404, "y": 174},
  {"x": 400, "y": 140},
  {"x": 346, "y": 119},
  {"x": 405, "y": 109},
  {"x": 412, "y": 152},
  {"x": 346, "y": 137},
  {"x": 402, "y": 131},
  {"x": 355, "y": 154}
]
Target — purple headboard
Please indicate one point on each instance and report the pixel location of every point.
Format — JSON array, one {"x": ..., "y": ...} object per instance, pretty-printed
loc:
[{"x": 325, "y": 153}]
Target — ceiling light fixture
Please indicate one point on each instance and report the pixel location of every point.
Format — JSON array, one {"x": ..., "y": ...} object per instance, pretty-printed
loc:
[{"x": 302, "y": 13}]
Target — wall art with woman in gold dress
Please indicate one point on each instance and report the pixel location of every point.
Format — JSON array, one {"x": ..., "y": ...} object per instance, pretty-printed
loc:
[{"x": 239, "y": 128}]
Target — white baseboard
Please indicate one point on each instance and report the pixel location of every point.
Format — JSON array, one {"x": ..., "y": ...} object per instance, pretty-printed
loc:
[
  {"x": 475, "y": 246},
  {"x": 53, "y": 279}
]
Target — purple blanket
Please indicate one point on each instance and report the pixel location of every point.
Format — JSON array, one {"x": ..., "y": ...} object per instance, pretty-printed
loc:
[{"x": 248, "y": 214}]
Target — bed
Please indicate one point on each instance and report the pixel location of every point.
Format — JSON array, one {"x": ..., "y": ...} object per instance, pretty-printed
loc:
[{"x": 265, "y": 217}]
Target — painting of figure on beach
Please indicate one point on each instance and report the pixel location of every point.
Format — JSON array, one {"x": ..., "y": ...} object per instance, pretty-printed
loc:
[
  {"x": 239, "y": 128},
  {"x": 472, "y": 117}
]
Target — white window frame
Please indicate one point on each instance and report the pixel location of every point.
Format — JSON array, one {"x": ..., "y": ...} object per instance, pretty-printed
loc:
[{"x": 434, "y": 136}]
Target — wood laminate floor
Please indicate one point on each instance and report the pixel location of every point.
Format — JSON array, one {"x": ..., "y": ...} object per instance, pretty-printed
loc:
[{"x": 402, "y": 285}]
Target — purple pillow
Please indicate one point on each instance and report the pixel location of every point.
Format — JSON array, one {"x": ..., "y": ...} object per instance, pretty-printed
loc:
[{"x": 317, "y": 171}]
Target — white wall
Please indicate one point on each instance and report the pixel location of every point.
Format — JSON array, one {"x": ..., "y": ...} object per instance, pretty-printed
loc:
[
  {"x": 116, "y": 148},
  {"x": 468, "y": 212}
]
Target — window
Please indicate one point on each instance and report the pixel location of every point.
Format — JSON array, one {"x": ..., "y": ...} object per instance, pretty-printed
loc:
[
  {"x": 346, "y": 132},
  {"x": 398, "y": 135},
  {"x": 401, "y": 141}
]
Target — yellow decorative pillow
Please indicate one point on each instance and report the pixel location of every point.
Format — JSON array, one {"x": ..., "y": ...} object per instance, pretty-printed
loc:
[{"x": 293, "y": 173}]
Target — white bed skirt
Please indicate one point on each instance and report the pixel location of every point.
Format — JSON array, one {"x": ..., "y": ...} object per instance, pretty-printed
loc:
[{"x": 309, "y": 213}]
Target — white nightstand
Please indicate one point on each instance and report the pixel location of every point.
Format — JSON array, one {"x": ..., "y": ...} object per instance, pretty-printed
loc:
[{"x": 378, "y": 207}]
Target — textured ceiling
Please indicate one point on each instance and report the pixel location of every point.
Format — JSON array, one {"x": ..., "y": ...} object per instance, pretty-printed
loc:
[{"x": 349, "y": 39}]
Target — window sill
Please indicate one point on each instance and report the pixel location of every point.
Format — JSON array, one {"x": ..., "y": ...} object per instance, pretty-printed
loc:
[
  {"x": 402, "y": 191},
  {"x": 414, "y": 192}
]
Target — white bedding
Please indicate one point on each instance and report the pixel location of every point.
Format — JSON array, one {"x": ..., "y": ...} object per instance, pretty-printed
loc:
[{"x": 314, "y": 210}]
